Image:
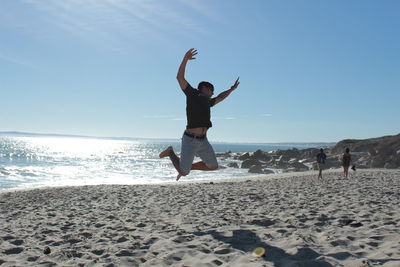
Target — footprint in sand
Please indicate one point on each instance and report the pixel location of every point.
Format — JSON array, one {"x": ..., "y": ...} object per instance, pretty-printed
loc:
[
  {"x": 15, "y": 250},
  {"x": 17, "y": 242}
]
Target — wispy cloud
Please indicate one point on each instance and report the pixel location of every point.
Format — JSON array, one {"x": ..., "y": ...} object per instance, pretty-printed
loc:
[
  {"x": 118, "y": 22},
  {"x": 164, "y": 117},
  {"x": 266, "y": 115},
  {"x": 205, "y": 10},
  {"x": 224, "y": 118},
  {"x": 18, "y": 62}
]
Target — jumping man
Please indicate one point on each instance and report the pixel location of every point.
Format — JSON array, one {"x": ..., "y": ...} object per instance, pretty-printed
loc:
[{"x": 194, "y": 140}]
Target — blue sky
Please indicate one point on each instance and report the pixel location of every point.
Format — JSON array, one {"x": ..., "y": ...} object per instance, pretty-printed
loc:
[{"x": 310, "y": 71}]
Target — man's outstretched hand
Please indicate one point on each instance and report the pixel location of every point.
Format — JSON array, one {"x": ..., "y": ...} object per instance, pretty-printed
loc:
[
  {"x": 190, "y": 54},
  {"x": 233, "y": 87}
]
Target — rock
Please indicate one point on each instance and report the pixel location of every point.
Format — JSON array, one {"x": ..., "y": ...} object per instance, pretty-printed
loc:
[
  {"x": 372, "y": 152},
  {"x": 266, "y": 171},
  {"x": 381, "y": 152},
  {"x": 389, "y": 165},
  {"x": 224, "y": 155},
  {"x": 250, "y": 162},
  {"x": 47, "y": 251},
  {"x": 256, "y": 169},
  {"x": 378, "y": 151},
  {"x": 363, "y": 163},
  {"x": 233, "y": 165},
  {"x": 289, "y": 170},
  {"x": 299, "y": 166},
  {"x": 393, "y": 163},
  {"x": 377, "y": 162},
  {"x": 333, "y": 161},
  {"x": 281, "y": 164},
  {"x": 289, "y": 153},
  {"x": 284, "y": 158},
  {"x": 258, "y": 154},
  {"x": 244, "y": 156}
]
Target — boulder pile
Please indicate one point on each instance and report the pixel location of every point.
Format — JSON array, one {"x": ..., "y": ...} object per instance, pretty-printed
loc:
[{"x": 382, "y": 152}]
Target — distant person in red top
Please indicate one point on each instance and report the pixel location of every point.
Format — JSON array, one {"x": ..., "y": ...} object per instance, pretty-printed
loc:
[
  {"x": 346, "y": 159},
  {"x": 194, "y": 139}
]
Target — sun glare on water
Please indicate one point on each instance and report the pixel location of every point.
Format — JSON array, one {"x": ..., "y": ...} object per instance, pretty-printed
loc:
[
  {"x": 76, "y": 161},
  {"x": 77, "y": 147}
]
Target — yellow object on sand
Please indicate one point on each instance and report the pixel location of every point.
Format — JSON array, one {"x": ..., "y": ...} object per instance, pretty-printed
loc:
[{"x": 258, "y": 252}]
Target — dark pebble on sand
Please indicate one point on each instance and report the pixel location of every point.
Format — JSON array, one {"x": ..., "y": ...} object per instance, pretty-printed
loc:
[{"x": 47, "y": 251}]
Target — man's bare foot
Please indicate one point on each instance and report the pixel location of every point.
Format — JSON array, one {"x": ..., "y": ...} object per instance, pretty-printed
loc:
[
  {"x": 166, "y": 152},
  {"x": 178, "y": 177}
]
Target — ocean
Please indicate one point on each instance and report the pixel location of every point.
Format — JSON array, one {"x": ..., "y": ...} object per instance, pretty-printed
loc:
[{"x": 40, "y": 161}]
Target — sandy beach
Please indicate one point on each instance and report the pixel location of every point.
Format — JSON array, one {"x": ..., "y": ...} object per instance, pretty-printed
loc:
[{"x": 298, "y": 219}]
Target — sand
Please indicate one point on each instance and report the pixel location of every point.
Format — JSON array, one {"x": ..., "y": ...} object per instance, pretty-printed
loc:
[{"x": 298, "y": 219}]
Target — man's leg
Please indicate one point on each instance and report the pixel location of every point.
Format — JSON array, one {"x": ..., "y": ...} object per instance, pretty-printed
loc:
[
  {"x": 184, "y": 163},
  {"x": 209, "y": 160},
  {"x": 169, "y": 152},
  {"x": 188, "y": 151},
  {"x": 202, "y": 166}
]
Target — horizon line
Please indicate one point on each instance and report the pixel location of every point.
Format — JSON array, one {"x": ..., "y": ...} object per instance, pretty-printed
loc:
[{"x": 21, "y": 133}]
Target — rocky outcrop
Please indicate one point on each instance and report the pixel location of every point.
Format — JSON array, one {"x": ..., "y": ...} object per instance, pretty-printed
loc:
[
  {"x": 233, "y": 165},
  {"x": 256, "y": 169},
  {"x": 243, "y": 156},
  {"x": 260, "y": 169},
  {"x": 248, "y": 163},
  {"x": 382, "y": 152}
]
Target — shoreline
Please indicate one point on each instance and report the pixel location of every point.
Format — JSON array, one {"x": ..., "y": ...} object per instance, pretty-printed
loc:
[
  {"x": 297, "y": 218},
  {"x": 173, "y": 182}
]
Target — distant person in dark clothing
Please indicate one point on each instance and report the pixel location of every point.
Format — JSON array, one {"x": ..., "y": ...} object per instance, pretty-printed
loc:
[
  {"x": 194, "y": 139},
  {"x": 346, "y": 159},
  {"x": 321, "y": 159}
]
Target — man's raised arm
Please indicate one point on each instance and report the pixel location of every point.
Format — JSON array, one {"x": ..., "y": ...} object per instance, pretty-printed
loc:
[
  {"x": 225, "y": 94},
  {"x": 190, "y": 55}
]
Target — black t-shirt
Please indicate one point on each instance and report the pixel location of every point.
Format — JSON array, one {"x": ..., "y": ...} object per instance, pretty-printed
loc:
[{"x": 197, "y": 108}]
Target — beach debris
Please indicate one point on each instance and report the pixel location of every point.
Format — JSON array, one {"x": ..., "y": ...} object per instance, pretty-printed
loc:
[
  {"x": 47, "y": 250},
  {"x": 258, "y": 252}
]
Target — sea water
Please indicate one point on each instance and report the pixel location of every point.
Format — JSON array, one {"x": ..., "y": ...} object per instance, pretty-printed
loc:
[{"x": 37, "y": 161}]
